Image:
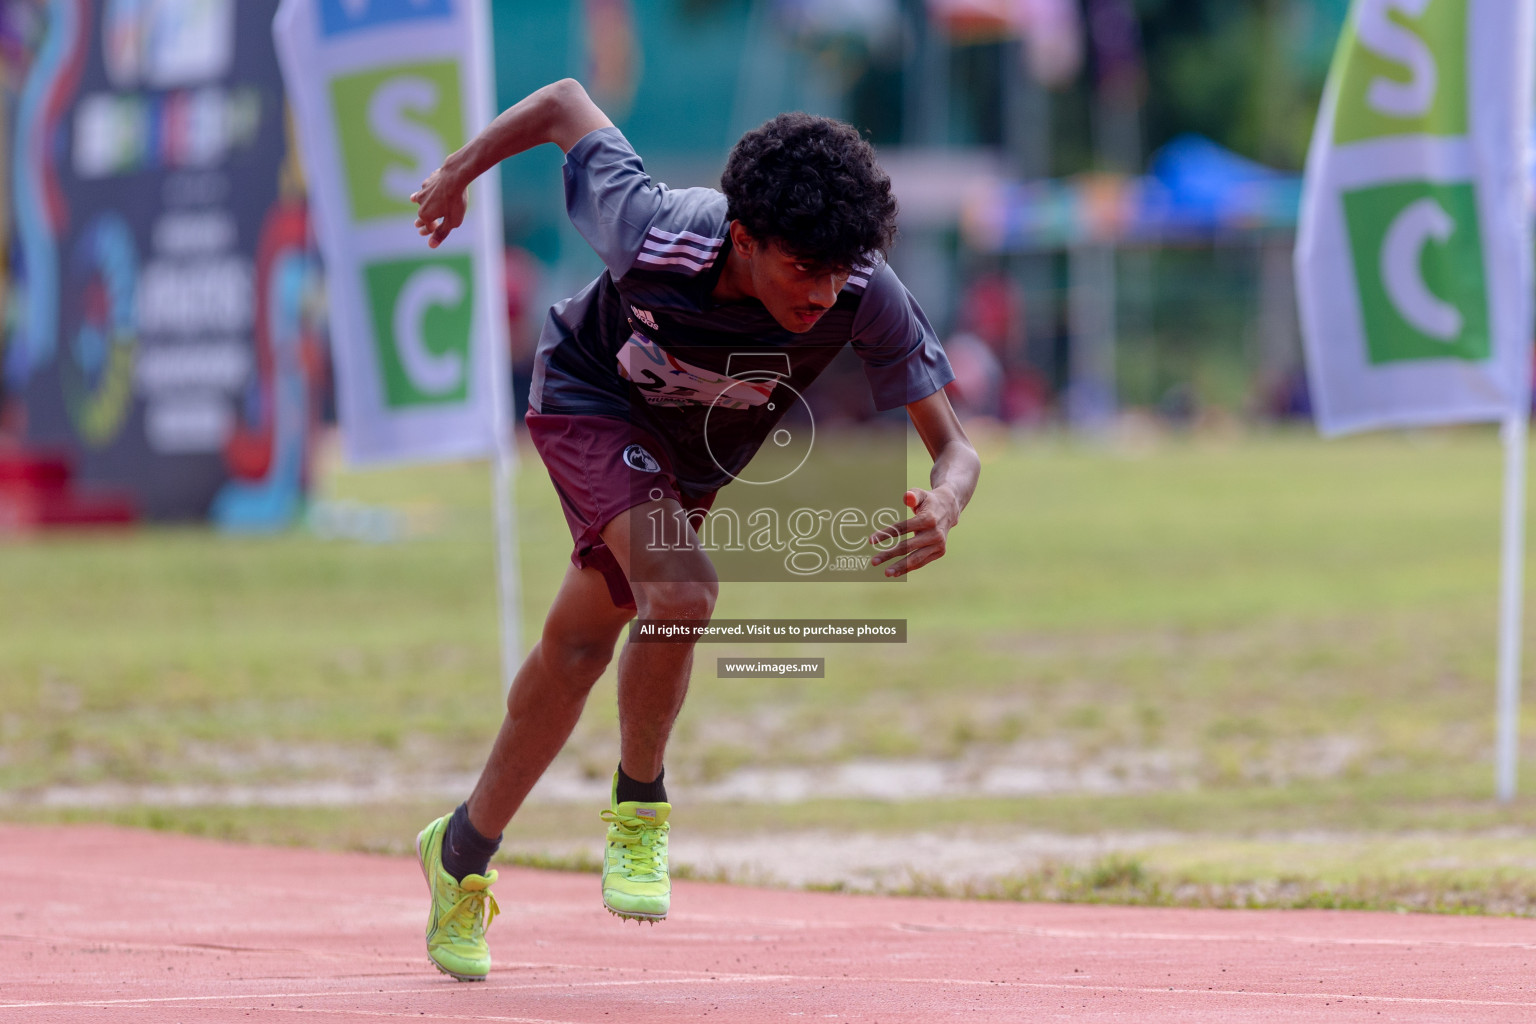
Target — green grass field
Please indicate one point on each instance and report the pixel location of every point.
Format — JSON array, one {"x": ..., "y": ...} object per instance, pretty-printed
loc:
[{"x": 1267, "y": 659}]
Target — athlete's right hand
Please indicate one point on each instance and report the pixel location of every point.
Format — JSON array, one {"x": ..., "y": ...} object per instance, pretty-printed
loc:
[{"x": 440, "y": 205}]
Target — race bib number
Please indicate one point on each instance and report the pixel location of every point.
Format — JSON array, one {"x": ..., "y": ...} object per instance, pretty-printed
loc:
[{"x": 663, "y": 379}]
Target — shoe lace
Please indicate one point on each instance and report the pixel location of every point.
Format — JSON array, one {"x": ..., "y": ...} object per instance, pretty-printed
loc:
[
  {"x": 643, "y": 846},
  {"x": 464, "y": 919}
]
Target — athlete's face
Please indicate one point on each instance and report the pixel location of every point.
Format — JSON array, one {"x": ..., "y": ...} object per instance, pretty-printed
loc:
[{"x": 795, "y": 291}]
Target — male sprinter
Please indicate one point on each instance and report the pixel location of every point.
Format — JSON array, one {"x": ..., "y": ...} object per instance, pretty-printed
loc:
[{"x": 788, "y": 260}]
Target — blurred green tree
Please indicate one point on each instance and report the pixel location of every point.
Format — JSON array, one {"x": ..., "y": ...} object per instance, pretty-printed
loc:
[{"x": 1247, "y": 73}]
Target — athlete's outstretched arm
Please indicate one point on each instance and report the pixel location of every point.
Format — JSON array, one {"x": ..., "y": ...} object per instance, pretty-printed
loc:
[
  {"x": 561, "y": 113},
  {"x": 956, "y": 469}
]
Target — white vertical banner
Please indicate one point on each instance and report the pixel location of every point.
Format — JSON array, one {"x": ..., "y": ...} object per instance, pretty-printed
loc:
[
  {"x": 1413, "y": 259},
  {"x": 382, "y": 91}
]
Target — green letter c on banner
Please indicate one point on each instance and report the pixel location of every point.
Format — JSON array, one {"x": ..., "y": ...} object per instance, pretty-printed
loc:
[{"x": 423, "y": 315}]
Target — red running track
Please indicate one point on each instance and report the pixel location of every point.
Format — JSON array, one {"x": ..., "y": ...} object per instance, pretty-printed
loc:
[{"x": 102, "y": 924}]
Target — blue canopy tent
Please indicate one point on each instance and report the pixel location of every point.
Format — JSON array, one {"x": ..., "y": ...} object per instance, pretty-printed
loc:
[{"x": 1194, "y": 192}]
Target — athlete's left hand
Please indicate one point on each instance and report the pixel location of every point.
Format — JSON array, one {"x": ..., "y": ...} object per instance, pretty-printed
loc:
[
  {"x": 440, "y": 205},
  {"x": 935, "y": 512}
]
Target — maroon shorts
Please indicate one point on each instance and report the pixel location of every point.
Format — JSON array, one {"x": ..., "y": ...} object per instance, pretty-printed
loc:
[{"x": 602, "y": 466}]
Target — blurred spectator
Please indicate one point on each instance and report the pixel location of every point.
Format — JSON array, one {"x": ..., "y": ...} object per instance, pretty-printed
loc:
[
  {"x": 1285, "y": 396},
  {"x": 523, "y": 323},
  {"x": 1178, "y": 405},
  {"x": 977, "y": 389},
  {"x": 992, "y": 378},
  {"x": 614, "y": 59},
  {"x": 1026, "y": 398},
  {"x": 1051, "y": 30},
  {"x": 992, "y": 309}
]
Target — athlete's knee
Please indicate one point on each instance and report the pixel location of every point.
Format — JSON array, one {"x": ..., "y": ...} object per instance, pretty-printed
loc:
[
  {"x": 677, "y": 599},
  {"x": 577, "y": 661}
]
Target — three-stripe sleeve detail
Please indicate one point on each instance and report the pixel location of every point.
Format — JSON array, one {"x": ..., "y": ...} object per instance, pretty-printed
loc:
[{"x": 682, "y": 249}]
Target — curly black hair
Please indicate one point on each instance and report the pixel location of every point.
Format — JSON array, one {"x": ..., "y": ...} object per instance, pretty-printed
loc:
[{"x": 812, "y": 185}]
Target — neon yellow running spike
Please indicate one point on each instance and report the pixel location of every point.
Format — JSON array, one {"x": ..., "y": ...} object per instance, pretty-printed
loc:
[
  {"x": 461, "y": 910},
  {"x": 636, "y": 884}
]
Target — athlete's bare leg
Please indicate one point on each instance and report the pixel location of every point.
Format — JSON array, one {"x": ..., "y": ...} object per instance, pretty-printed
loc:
[
  {"x": 547, "y": 696},
  {"x": 677, "y": 582},
  {"x": 577, "y": 643}
]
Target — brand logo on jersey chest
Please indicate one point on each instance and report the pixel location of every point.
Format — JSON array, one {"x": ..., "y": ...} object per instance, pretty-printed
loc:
[{"x": 644, "y": 316}]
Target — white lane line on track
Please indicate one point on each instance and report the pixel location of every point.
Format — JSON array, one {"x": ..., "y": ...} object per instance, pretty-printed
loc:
[
  {"x": 701, "y": 978},
  {"x": 418, "y": 1015},
  {"x": 1254, "y": 937},
  {"x": 94, "y": 945},
  {"x": 793, "y": 925},
  {"x": 269, "y": 996},
  {"x": 413, "y": 1015}
]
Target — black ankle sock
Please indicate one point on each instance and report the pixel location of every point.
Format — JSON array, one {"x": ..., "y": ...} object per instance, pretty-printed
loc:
[
  {"x": 640, "y": 792},
  {"x": 466, "y": 851}
]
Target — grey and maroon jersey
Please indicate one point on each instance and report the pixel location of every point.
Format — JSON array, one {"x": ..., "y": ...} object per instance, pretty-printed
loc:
[{"x": 645, "y": 341}]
